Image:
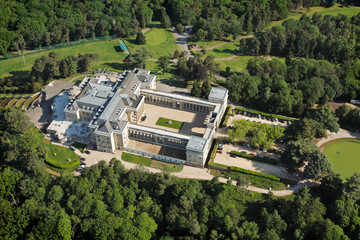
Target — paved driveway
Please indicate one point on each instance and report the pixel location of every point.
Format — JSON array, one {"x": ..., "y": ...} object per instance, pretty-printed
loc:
[{"x": 42, "y": 114}]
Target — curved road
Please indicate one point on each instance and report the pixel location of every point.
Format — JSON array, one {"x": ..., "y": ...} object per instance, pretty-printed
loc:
[{"x": 92, "y": 159}]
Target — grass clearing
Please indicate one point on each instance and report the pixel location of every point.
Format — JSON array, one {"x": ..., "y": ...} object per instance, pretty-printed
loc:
[
  {"x": 224, "y": 51},
  {"x": 158, "y": 40},
  {"x": 166, "y": 166},
  {"x": 169, "y": 123},
  {"x": 105, "y": 49},
  {"x": 343, "y": 154},
  {"x": 237, "y": 64},
  {"x": 137, "y": 159},
  {"x": 58, "y": 157}
]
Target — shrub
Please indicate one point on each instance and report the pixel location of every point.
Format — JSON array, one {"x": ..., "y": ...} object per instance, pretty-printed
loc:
[{"x": 227, "y": 116}]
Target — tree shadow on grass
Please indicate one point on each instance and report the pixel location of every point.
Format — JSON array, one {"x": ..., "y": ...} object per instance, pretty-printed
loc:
[
  {"x": 233, "y": 52},
  {"x": 115, "y": 65}
]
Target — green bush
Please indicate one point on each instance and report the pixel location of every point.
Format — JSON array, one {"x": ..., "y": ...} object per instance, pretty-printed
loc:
[
  {"x": 237, "y": 169},
  {"x": 227, "y": 116},
  {"x": 265, "y": 114},
  {"x": 213, "y": 152},
  {"x": 255, "y": 158}
]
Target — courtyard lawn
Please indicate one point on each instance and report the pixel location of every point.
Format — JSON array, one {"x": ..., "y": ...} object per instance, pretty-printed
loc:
[
  {"x": 343, "y": 154},
  {"x": 105, "y": 49},
  {"x": 159, "y": 41},
  {"x": 165, "y": 122},
  {"x": 58, "y": 157},
  {"x": 137, "y": 159}
]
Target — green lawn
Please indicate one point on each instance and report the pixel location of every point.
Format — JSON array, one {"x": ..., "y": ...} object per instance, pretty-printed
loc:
[
  {"x": 343, "y": 154},
  {"x": 159, "y": 41},
  {"x": 128, "y": 157},
  {"x": 237, "y": 64},
  {"x": 165, "y": 122},
  {"x": 227, "y": 50},
  {"x": 105, "y": 49},
  {"x": 154, "y": 68},
  {"x": 58, "y": 158},
  {"x": 148, "y": 162},
  {"x": 166, "y": 166}
]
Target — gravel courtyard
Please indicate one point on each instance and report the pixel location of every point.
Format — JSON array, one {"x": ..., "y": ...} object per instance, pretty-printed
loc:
[{"x": 194, "y": 123}]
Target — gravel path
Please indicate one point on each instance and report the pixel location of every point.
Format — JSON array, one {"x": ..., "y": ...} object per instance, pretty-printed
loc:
[{"x": 342, "y": 133}]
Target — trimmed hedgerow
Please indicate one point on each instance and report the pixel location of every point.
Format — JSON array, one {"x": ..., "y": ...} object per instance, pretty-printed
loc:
[{"x": 255, "y": 158}]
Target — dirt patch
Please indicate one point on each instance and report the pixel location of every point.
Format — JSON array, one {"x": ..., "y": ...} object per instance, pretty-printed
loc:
[
  {"x": 52, "y": 172},
  {"x": 145, "y": 147}
]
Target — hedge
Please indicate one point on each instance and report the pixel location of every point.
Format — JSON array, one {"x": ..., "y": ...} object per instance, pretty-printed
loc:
[
  {"x": 213, "y": 152},
  {"x": 227, "y": 116},
  {"x": 237, "y": 169},
  {"x": 74, "y": 164},
  {"x": 28, "y": 101},
  {"x": 265, "y": 114},
  {"x": 255, "y": 158}
]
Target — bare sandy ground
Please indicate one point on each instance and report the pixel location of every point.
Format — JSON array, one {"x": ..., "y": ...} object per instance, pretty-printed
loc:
[{"x": 227, "y": 160}]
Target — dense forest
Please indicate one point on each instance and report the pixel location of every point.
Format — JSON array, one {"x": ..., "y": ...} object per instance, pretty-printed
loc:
[
  {"x": 334, "y": 38},
  {"x": 109, "y": 202},
  {"x": 32, "y": 24},
  {"x": 295, "y": 86}
]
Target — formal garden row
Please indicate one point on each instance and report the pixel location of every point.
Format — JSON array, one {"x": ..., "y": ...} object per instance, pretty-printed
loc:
[{"x": 22, "y": 102}]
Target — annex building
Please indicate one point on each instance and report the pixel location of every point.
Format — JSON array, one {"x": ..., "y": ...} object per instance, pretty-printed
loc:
[{"x": 121, "y": 110}]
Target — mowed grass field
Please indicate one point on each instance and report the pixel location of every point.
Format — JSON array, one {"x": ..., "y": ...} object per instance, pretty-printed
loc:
[
  {"x": 238, "y": 64},
  {"x": 343, "y": 154},
  {"x": 105, "y": 49},
  {"x": 159, "y": 41}
]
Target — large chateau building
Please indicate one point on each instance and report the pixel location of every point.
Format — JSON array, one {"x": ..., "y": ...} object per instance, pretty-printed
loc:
[{"x": 114, "y": 107}]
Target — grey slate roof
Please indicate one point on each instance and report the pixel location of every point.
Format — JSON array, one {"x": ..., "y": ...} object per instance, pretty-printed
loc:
[
  {"x": 217, "y": 93},
  {"x": 196, "y": 144}
]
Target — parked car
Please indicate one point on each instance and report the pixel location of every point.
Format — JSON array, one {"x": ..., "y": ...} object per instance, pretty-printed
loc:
[
  {"x": 232, "y": 155},
  {"x": 82, "y": 159},
  {"x": 253, "y": 154},
  {"x": 243, "y": 151},
  {"x": 219, "y": 151},
  {"x": 221, "y": 145},
  {"x": 72, "y": 148},
  {"x": 87, "y": 151}
]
